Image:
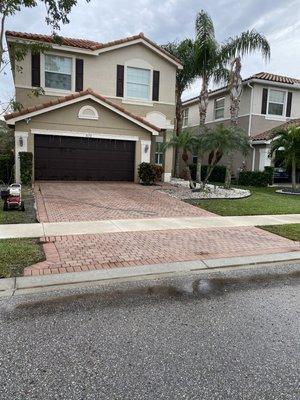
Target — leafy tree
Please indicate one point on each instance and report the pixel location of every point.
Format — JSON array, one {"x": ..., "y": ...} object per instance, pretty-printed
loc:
[
  {"x": 288, "y": 140},
  {"x": 6, "y": 139},
  {"x": 57, "y": 13},
  {"x": 184, "y": 51},
  {"x": 225, "y": 141},
  {"x": 184, "y": 142}
]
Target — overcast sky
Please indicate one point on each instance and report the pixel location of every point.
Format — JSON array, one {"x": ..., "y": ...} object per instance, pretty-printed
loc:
[{"x": 169, "y": 20}]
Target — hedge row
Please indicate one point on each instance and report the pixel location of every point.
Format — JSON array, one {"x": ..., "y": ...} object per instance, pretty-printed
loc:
[
  {"x": 254, "y": 178},
  {"x": 6, "y": 168},
  {"x": 150, "y": 173},
  {"x": 26, "y": 167},
  {"x": 218, "y": 174}
]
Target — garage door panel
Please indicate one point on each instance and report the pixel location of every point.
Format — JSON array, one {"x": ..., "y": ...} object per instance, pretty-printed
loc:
[{"x": 69, "y": 158}]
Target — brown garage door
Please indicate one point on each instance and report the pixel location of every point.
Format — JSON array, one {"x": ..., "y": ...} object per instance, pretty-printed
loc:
[{"x": 71, "y": 158}]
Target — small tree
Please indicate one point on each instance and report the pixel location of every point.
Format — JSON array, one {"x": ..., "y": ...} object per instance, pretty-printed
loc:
[
  {"x": 201, "y": 146},
  {"x": 288, "y": 140},
  {"x": 184, "y": 142},
  {"x": 185, "y": 52},
  {"x": 226, "y": 141}
]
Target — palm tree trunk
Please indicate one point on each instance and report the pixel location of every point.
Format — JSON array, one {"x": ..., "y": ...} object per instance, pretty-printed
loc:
[
  {"x": 236, "y": 89},
  {"x": 294, "y": 185},
  {"x": 203, "y": 101},
  {"x": 178, "y": 129},
  {"x": 199, "y": 167}
]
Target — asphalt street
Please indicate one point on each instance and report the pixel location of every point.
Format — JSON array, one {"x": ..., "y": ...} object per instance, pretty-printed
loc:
[{"x": 214, "y": 336}]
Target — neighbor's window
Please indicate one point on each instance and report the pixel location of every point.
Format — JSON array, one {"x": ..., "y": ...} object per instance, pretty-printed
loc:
[
  {"x": 276, "y": 102},
  {"x": 219, "y": 108},
  {"x": 185, "y": 117},
  {"x": 159, "y": 154},
  {"x": 138, "y": 83},
  {"x": 58, "y": 72}
]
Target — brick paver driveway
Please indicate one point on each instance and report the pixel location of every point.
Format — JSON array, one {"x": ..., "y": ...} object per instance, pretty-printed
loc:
[
  {"x": 87, "y": 201},
  {"x": 60, "y": 201}
]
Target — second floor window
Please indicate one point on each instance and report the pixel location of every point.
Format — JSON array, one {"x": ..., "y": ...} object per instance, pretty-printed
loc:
[
  {"x": 58, "y": 72},
  {"x": 159, "y": 154},
  {"x": 185, "y": 117},
  {"x": 276, "y": 102},
  {"x": 219, "y": 107},
  {"x": 138, "y": 83}
]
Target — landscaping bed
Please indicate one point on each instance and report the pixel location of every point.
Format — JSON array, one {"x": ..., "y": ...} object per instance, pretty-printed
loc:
[
  {"x": 180, "y": 189},
  {"x": 17, "y": 254}
]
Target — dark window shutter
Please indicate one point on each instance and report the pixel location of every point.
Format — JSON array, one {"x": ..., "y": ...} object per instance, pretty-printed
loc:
[
  {"x": 155, "y": 89},
  {"x": 264, "y": 101},
  {"x": 35, "y": 70},
  {"x": 289, "y": 104},
  {"x": 120, "y": 80},
  {"x": 79, "y": 75}
]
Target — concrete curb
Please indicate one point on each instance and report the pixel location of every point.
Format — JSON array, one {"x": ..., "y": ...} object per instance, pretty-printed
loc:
[{"x": 25, "y": 284}]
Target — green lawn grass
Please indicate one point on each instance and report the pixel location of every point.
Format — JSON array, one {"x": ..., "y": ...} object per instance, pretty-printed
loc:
[
  {"x": 16, "y": 254},
  {"x": 262, "y": 201},
  {"x": 290, "y": 231}
]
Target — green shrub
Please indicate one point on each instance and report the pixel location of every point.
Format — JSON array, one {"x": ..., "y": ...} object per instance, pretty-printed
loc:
[
  {"x": 254, "y": 178},
  {"x": 147, "y": 174},
  {"x": 26, "y": 167},
  {"x": 158, "y": 172},
  {"x": 218, "y": 174},
  {"x": 270, "y": 172},
  {"x": 6, "y": 168}
]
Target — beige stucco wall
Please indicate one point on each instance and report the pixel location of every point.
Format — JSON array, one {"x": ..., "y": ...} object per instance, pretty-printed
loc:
[
  {"x": 66, "y": 119},
  {"x": 100, "y": 74}
]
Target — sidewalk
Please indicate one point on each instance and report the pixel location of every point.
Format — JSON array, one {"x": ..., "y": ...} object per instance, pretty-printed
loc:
[{"x": 52, "y": 229}]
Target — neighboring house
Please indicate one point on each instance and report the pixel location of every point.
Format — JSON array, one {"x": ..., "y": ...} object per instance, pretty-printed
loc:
[
  {"x": 106, "y": 107},
  {"x": 267, "y": 101}
]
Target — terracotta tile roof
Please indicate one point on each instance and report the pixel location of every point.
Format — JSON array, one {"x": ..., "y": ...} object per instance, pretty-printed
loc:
[
  {"x": 73, "y": 96},
  {"x": 267, "y": 135},
  {"x": 264, "y": 76},
  {"x": 82, "y": 43},
  {"x": 87, "y": 44}
]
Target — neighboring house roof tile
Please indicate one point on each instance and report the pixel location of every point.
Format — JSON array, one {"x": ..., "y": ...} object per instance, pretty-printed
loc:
[
  {"x": 264, "y": 76},
  {"x": 87, "y": 44},
  {"x": 267, "y": 135},
  {"x": 73, "y": 96}
]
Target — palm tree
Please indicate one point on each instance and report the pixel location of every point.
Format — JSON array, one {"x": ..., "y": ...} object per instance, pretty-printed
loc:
[
  {"x": 232, "y": 53},
  {"x": 208, "y": 59},
  {"x": 184, "y": 51},
  {"x": 288, "y": 140},
  {"x": 184, "y": 142},
  {"x": 225, "y": 141}
]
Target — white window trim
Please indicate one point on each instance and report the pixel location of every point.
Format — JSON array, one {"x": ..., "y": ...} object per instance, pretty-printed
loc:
[
  {"x": 84, "y": 108},
  {"x": 219, "y": 108},
  {"x": 185, "y": 117},
  {"x": 160, "y": 153},
  {"x": 53, "y": 91},
  {"x": 275, "y": 116},
  {"x": 141, "y": 64}
]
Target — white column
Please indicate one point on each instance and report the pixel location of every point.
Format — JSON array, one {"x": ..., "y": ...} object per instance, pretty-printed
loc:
[
  {"x": 264, "y": 159},
  {"x": 145, "y": 150},
  {"x": 20, "y": 145}
]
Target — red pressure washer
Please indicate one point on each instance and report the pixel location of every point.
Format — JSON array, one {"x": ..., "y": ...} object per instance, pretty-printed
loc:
[{"x": 12, "y": 197}]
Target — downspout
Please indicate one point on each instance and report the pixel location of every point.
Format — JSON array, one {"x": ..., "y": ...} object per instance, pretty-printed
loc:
[{"x": 250, "y": 125}]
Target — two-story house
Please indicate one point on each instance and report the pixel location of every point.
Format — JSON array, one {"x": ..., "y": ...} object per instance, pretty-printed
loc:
[
  {"x": 105, "y": 107},
  {"x": 267, "y": 101}
]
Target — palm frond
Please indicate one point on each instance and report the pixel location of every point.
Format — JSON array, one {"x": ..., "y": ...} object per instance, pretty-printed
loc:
[
  {"x": 204, "y": 27},
  {"x": 246, "y": 43}
]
